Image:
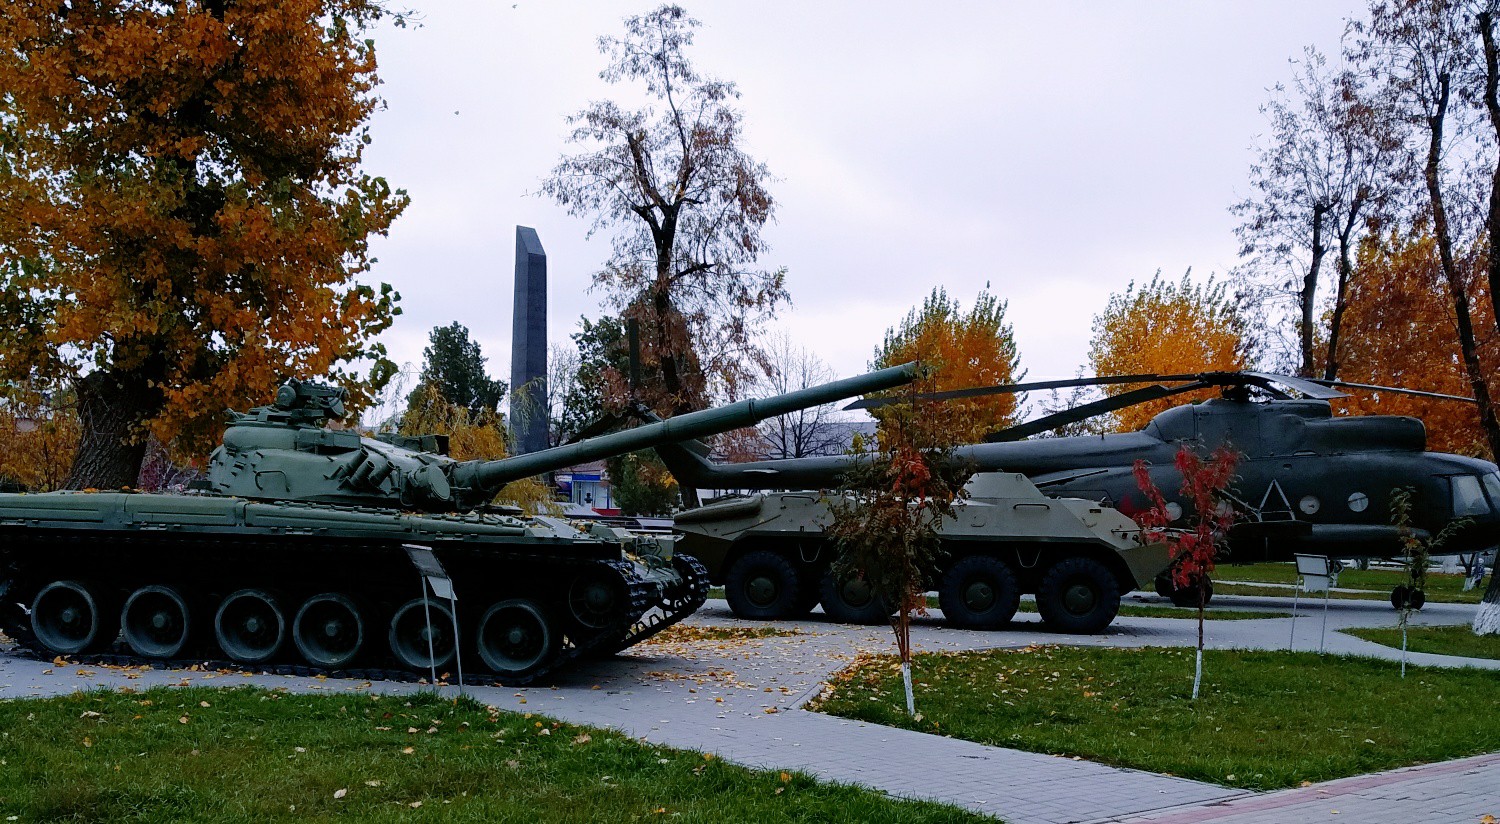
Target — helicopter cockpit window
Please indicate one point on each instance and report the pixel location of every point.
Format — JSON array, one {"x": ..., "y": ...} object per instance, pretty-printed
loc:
[
  {"x": 1467, "y": 497},
  {"x": 1492, "y": 487}
]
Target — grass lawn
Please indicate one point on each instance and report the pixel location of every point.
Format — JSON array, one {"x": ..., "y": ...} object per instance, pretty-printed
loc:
[
  {"x": 252, "y": 755},
  {"x": 1444, "y": 587},
  {"x": 1265, "y": 719},
  {"x": 1456, "y": 640}
]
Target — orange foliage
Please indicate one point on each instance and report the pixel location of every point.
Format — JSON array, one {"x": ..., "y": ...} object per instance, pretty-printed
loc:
[
  {"x": 183, "y": 206},
  {"x": 37, "y": 441},
  {"x": 1166, "y": 328},
  {"x": 960, "y": 350},
  {"x": 1399, "y": 330}
]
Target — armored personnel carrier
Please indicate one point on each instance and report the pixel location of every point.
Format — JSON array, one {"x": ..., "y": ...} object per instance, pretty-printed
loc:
[
  {"x": 297, "y": 555},
  {"x": 770, "y": 553}
]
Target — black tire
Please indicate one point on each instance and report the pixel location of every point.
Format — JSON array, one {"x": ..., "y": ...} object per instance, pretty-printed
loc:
[
  {"x": 418, "y": 645},
  {"x": 850, "y": 600},
  {"x": 1078, "y": 595},
  {"x": 250, "y": 626},
  {"x": 764, "y": 585},
  {"x": 1164, "y": 586},
  {"x": 979, "y": 592},
  {"x": 1403, "y": 594},
  {"x": 1188, "y": 595}
]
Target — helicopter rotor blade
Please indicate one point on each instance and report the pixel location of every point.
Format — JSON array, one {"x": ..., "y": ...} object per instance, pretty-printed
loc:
[
  {"x": 1009, "y": 388},
  {"x": 1398, "y": 390},
  {"x": 1091, "y": 410},
  {"x": 1310, "y": 388}
]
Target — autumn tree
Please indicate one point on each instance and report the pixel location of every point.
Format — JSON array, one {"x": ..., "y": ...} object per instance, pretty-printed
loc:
[
  {"x": 888, "y": 510},
  {"x": 184, "y": 213},
  {"x": 1166, "y": 328},
  {"x": 684, "y": 205},
  {"x": 960, "y": 350},
  {"x": 1329, "y": 167},
  {"x": 1429, "y": 56},
  {"x": 1400, "y": 331},
  {"x": 39, "y": 433},
  {"x": 472, "y": 436},
  {"x": 1196, "y": 548}
]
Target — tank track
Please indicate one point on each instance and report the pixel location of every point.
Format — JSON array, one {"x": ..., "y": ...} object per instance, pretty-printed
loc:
[
  {"x": 671, "y": 608},
  {"x": 636, "y": 623}
]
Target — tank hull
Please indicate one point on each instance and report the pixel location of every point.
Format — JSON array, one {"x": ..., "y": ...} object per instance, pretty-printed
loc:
[{"x": 326, "y": 588}]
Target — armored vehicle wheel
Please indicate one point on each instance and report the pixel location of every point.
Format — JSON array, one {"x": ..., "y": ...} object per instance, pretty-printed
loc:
[
  {"x": 1078, "y": 595},
  {"x": 1188, "y": 595},
  {"x": 763, "y": 585},
  {"x": 417, "y": 645},
  {"x": 250, "y": 626},
  {"x": 156, "y": 622},
  {"x": 69, "y": 617},
  {"x": 851, "y": 600},
  {"x": 515, "y": 637},
  {"x": 979, "y": 592},
  {"x": 329, "y": 630},
  {"x": 594, "y": 599},
  {"x": 1403, "y": 594}
]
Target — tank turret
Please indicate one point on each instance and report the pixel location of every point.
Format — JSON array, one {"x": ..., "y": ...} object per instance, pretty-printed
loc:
[{"x": 284, "y": 452}]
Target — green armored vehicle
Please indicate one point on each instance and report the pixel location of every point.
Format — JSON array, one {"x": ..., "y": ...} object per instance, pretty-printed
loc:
[
  {"x": 298, "y": 556},
  {"x": 1007, "y": 538}
]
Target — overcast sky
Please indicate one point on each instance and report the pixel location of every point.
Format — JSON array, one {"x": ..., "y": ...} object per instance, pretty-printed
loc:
[{"x": 1055, "y": 151}]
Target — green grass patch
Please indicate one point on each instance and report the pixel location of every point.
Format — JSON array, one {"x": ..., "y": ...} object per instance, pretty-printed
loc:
[
  {"x": 252, "y": 755},
  {"x": 1451, "y": 640},
  {"x": 1442, "y": 587},
  {"x": 1264, "y": 720}
]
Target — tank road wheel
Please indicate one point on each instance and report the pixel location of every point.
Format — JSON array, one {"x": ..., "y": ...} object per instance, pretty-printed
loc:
[
  {"x": 1078, "y": 595},
  {"x": 851, "y": 600},
  {"x": 979, "y": 592},
  {"x": 416, "y": 645},
  {"x": 68, "y": 617},
  {"x": 515, "y": 638},
  {"x": 763, "y": 585},
  {"x": 250, "y": 626},
  {"x": 595, "y": 599},
  {"x": 156, "y": 621},
  {"x": 329, "y": 631}
]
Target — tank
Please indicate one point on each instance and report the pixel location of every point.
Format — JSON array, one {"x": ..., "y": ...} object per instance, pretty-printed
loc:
[
  {"x": 1006, "y": 539},
  {"x": 302, "y": 554}
]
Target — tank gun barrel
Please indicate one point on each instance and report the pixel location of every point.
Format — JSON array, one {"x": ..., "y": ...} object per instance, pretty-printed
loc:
[{"x": 494, "y": 474}]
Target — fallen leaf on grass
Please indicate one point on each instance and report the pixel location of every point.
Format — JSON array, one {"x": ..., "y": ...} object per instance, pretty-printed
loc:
[
  {"x": 414, "y": 804},
  {"x": 340, "y": 793},
  {"x": 182, "y": 720},
  {"x": 583, "y": 739},
  {"x": 372, "y": 783},
  {"x": 408, "y": 750}
]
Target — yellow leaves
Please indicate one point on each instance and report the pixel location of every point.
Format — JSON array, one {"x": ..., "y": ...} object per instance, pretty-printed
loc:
[
  {"x": 960, "y": 350},
  {"x": 1166, "y": 328},
  {"x": 1398, "y": 330}
]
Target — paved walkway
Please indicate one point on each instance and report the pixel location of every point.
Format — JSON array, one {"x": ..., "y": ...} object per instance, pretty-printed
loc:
[{"x": 741, "y": 701}]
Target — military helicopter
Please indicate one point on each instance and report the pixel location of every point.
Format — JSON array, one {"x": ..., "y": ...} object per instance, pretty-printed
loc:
[{"x": 1307, "y": 482}]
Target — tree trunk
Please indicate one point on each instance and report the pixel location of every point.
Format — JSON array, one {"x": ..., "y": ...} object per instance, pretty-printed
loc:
[
  {"x": 1309, "y": 294},
  {"x": 1492, "y": 106},
  {"x": 109, "y": 408},
  {"x": 1340, "y": 299},
  {"x": 1457, "y": 289},
  {"x": 1487, "y": 621}
]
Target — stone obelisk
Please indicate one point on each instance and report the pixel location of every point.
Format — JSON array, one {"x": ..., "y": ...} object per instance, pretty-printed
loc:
[{"x": 528, "y": 351}]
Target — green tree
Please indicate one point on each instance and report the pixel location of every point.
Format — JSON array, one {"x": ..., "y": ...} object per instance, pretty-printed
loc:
[
  {"x": 184, "y": 214},
  {"x": 453, "y": 365},
  {"x": 685, "y": 205},
  {"x": 641, "y": 484}
]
